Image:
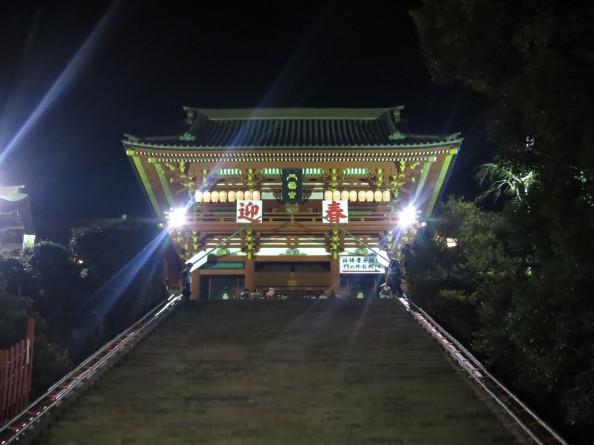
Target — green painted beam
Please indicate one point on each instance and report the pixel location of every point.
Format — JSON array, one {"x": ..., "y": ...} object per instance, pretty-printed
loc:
[
  {"x": 440, "y": 180},
  {"x": 145, "y": 182},
  {"x": 164, "y": 184}
]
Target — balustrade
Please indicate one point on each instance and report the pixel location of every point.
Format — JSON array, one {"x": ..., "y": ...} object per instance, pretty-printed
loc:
[{"x": 313, "y": 217}]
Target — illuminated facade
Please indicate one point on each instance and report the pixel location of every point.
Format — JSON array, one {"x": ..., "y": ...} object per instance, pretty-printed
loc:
[
  {"x": 16, "y": 221},
  {"x": 303, "y": 200}
]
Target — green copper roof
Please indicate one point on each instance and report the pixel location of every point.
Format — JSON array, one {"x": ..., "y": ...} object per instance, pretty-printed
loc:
[
  {"x": 288, "y": 113},
  {"x": 293, "y": 128}
]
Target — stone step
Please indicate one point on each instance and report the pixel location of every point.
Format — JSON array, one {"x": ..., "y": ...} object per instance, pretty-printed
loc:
[{"x": 282, "y": 372}]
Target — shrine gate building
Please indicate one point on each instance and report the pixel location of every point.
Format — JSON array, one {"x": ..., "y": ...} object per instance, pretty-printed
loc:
[{"x": 302, "y": 200}]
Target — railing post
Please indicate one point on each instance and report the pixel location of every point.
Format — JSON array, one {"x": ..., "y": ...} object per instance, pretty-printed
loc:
[
  {"x": 16, "y": 365},
  {"x": 3, "y": 385}
]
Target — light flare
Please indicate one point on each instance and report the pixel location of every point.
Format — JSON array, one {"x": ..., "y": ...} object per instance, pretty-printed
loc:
[
  {"x": 407, "y": 216},
  {"x": 62, "y": 82}
]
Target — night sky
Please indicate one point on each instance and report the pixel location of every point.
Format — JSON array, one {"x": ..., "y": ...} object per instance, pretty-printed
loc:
[{"x": 76, "y": 75}]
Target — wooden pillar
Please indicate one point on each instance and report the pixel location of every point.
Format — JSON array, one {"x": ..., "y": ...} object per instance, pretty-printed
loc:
[
  {"x": 335, "y": 274},
  {"x": 196, "y": 285},
  {"x": 249, "y": 274}
]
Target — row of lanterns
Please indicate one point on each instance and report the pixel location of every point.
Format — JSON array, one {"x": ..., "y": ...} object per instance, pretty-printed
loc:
[
  {"x": 354, "y": 196},
  {"x": 224, "y": 196},
  {"x": 329, "y": 195}
]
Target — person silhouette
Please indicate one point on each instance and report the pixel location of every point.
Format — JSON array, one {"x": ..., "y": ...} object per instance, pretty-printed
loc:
[{"x": 186, "y": 279}]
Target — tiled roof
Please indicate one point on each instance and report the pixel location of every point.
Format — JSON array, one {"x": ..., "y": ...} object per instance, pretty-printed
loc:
[{"x": 286, "y": 128}]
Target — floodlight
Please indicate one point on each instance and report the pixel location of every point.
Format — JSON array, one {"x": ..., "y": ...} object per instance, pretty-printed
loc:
[
  {"x": 408, "y": 216},
  {"x": 177, "y": 217}
]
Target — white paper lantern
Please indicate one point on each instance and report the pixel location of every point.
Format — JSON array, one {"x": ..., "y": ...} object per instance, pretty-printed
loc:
[
  {"x": 231, "y": 196},
  {"x": 386, "y": 195},
  {"x": 239, "y": 195},
  {"x": 377, "y": 195},
  {"x": 328, "y": 195},
  {"x": 206, "y": 196},
  {"x": 223, "y": 196},
  {"x": 256, "y": 195},
  {"x": 344, "y": 195},
  {"x": 248, "y": 194},
  {"x": 361, "y": 196},
  {"x": 336, "y": 195},
  {"x": 214, "y": 196},
  {"x": 369, "y": 195},
  {"x": 353, "y": 196},
  {"x": 198, "y": 196}
]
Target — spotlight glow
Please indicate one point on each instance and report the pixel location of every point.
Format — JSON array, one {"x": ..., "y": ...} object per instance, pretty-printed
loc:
[
  {"x": 408, "y": 216},
  {"x": 177, "y": 217}
]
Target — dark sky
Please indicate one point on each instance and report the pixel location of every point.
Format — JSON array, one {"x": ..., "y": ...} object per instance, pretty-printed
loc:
[{"x": 76, "y": 75}]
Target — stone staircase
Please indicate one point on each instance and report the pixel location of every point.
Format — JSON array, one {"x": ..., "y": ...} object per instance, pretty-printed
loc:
[{"x": 281, "y": 372}]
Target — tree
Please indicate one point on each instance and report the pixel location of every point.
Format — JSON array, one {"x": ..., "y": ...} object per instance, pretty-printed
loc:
[
  {"x": 535, "y": 61},
  {"x": 83, "y": 296},
  {"x": 13, "y": 275},
  {"x": 13, "y": 318},
  {"x": 53, "y": 285},
  {"x": 125, "y": 278},
  {"x": 504, "y": 179},
  {"x": 460, "y": 262},
  {"x": 50, "y": 360}
]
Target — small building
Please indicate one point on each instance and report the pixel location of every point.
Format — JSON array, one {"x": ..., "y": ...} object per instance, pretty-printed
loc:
[
  {"x": 302, "y": 200},
  {"x": 16, "y": 221}
]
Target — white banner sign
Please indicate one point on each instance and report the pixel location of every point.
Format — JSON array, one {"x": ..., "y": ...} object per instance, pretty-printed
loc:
[
  {"x": 360, "y": 264},
  {"x": 248, "y": 211},
  {"x": 336, "y": 212}
]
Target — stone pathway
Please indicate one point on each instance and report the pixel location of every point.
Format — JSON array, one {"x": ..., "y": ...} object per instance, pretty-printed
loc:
[{"x": 281, "y": 372}]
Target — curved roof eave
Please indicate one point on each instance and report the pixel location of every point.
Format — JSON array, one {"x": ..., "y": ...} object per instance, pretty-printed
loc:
[
  {"x": 291, "y": 113},
  {"x": 452, "y": 142}
]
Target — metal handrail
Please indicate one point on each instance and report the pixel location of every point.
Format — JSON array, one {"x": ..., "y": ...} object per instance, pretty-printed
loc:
[
  {"x": 15, "y": 429},
  {"x": 529, "y": 422}
]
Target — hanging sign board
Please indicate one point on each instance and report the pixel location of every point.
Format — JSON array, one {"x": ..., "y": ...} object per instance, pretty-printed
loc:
[
  {"x": 336, "y": 212},
  {"x": 292, "y": 192},
  {"x": 360, "y": 264},
  {"x": 248, "y": 211}
]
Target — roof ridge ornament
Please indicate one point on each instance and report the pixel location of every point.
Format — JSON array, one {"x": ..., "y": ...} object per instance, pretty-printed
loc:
[
  {"x": 396, "y": 113},
  {"x": 396, "y": 136},
  {"x": 187, "y": 137},
  {"x": 453, "y": 136}
]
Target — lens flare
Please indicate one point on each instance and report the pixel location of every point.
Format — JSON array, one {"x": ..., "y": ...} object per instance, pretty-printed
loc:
[
  {"x": 407, "y": 216},
  {"x": 102, "y": 301},
  {"x": 177, "y": 217},
  {"x": 63, "y": 80}
]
